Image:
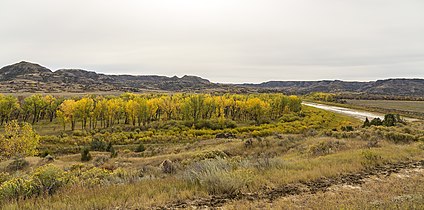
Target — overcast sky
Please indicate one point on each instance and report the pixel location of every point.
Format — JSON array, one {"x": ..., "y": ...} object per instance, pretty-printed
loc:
[{"x": 221, "y": 40}]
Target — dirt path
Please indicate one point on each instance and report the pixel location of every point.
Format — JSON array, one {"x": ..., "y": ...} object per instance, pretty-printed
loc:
[
  {"x": 314, "y": 186},
  {"x": 359, "y": 114}
]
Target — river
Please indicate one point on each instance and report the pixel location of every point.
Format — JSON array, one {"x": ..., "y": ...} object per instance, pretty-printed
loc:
[{"x": 359, "y": 114}]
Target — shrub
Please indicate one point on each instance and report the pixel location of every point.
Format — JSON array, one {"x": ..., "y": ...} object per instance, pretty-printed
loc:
[
  {"x": 17, "y": 164},
  {"x": 100, "y": 160},
  {"x": 347, "y": 128},
  {"x": 391, "y": 120},
  {"x": 15, "y": 188},
  {"x": 373, "y": 142},
  {"x": 168, "y": 167},
  {"x": 47, "y": 179},
  {"x": 85, "y": 155},
  {"x": 140, "y": 148},
  {"x": 44, "y": 153},
  {"x": 289, "y": 117},
  {"x": 399, "y": 137},
  {"x": 98, "y": 145},
  {"x": 109, "y": 147},
  {"x": 376, "y": 121},
  {"x": 325, "y": 147},
  {"x": 44, "y": 180},
  {"x": 95, "y": 176},
  {"x": 79, "y": 133},
  {"x": 113, "y": 152},
  {"x": 4, "y": 176},
  {"x": 215, "y": 124},
  {"x": 49, "y": 139},
  {"x": 210, "y": 155},
  {"x": 366, "y": 123}
]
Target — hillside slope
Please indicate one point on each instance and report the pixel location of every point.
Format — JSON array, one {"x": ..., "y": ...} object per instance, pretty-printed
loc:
[
  {"x": 30, "y": 77},
  {"x": 398, "y": 87}
]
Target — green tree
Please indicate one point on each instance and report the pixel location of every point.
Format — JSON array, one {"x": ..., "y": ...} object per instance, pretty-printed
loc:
[
  {"x": 389, "y": 120},
  {"x": 376, "y": 121},
  {"x": 85, "y": 155},
  {"x": 366, "y": 123}
]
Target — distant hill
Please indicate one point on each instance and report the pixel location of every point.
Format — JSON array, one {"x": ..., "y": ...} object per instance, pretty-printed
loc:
[
  {"x": 396, "y": 87},
  {"x": 30, "y": 77}
]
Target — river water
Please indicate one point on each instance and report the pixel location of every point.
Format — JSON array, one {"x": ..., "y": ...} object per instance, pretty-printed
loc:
[
  {"x": 359, "y": 114},
  {"x": 346, "y": 111}
]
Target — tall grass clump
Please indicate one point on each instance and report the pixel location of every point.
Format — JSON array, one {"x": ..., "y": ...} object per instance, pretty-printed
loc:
[{"x": 218, "y": 176}]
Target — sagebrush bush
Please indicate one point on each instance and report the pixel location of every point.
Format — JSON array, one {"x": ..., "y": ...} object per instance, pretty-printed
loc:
[
  {"x": 79, "y": 133},
  {"x": 48, "y": 179},
  {"x": 326, "y": 147},
  {"x": 17, "y": 163},
  {"x": 100, "y": 160},
  {"x": 45, "y": 180},
  {"x": 400, "y": 137},
  {"x": 210, "y": 155},
  {"x": 98, "y": 145},
  {"x": 95, "y": 176},
  {"x": 15, "y": 189},
  {"x": 113, "y": 152},
  {"x": 140, "y": 148}
]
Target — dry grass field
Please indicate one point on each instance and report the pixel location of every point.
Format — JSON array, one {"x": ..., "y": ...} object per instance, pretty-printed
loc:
[{"x": 410, "y": 106}]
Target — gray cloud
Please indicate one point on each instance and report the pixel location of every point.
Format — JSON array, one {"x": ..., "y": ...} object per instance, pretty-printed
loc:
[{"x": 222, "y": 40}]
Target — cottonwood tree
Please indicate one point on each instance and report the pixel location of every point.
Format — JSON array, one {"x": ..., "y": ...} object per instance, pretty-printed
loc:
[
  {"x": 84, "y": 110},
  {"x": 66, "y": 113},
  {"x": 33, "y": 105},
  {"x": 8, "y": 106},
  {"x": 145, "y": 108},
  {"x": 18, "y": 140}
]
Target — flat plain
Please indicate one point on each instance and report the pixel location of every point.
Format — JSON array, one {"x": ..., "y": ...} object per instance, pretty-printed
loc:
[{"x": 410, "y": 106}]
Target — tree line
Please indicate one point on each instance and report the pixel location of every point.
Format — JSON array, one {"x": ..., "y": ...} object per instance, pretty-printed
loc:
[{"x": 140, "y": 109}]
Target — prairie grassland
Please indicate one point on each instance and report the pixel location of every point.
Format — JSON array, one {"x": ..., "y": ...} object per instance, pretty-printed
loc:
[
  {"x": 409, "y": 106},
  {"x": 404, "y": 190},
  {"x": 269, "y": 163}
]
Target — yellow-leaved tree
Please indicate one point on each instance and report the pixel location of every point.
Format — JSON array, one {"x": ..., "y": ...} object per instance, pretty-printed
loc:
[{"x": 18, "y": 140}]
